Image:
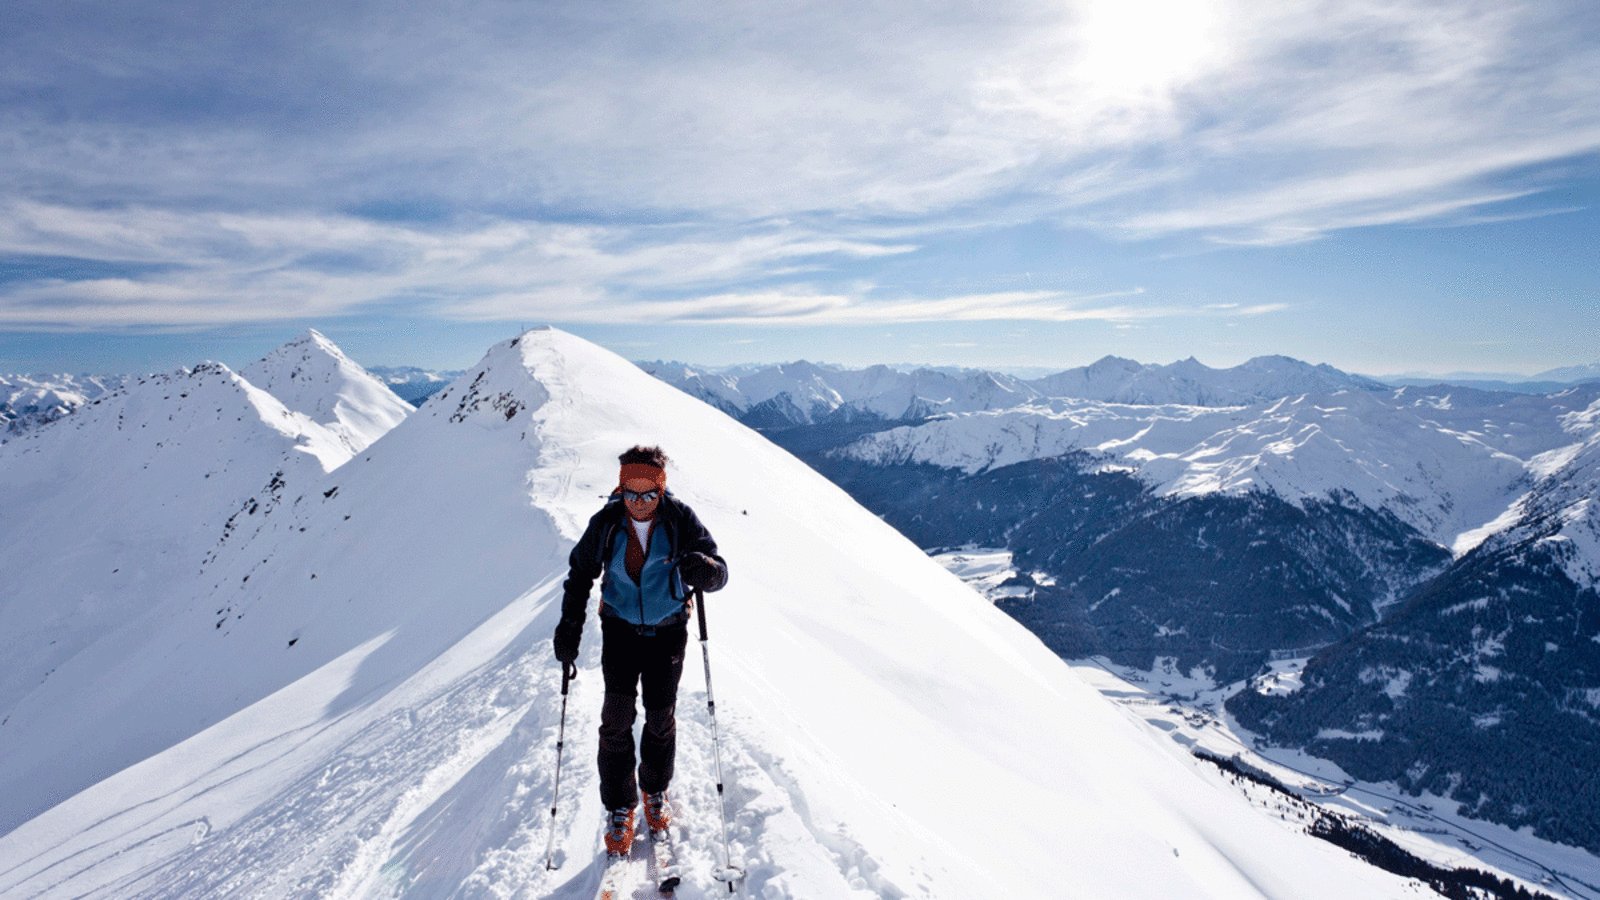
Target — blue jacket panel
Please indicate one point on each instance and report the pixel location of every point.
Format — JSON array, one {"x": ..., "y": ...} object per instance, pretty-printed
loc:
[
  {"x": 656, "y": 597},
  {"x": 678, "y": 532}
]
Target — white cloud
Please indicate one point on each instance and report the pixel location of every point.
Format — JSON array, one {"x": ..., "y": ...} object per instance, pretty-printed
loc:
[{"x": 247, "y": 268}]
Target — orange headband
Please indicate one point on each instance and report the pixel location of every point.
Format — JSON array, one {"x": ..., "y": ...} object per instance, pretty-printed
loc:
[{"x": 631, "y": 471}]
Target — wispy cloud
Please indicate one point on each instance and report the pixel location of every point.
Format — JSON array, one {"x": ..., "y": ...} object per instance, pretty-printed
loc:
[
  {"x": 230, "y": 267},
  {"x": 253, "y": 268},
  {"x": 723, "y": 162}
]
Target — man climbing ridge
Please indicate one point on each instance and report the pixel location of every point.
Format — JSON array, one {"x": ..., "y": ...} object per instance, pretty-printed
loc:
[{"x": 650, "y": 551}]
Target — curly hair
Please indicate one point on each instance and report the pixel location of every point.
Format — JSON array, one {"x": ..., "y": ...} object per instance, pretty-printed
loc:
[{"x": 651, "y": 456}]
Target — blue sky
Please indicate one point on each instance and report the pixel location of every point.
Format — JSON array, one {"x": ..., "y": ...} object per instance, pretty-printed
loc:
[{"x": 1386, "y": 187}]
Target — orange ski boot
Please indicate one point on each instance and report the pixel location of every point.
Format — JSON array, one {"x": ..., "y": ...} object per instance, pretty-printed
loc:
[
  {"x": 619, "y": 831},
  {"x": 657, "y": 812}
]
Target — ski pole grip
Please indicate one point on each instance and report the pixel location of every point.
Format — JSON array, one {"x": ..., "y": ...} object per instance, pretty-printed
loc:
[{"x": 700, "y": 611}]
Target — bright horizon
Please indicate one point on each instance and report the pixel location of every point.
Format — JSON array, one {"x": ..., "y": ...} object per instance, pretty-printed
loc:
[{"x": 1385, "y": 189}]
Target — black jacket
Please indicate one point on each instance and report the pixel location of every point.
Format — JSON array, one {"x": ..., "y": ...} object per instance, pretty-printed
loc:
[{"x": 677, "y": 522}]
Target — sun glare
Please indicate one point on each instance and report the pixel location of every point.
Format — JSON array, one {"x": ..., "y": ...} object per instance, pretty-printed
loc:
[{"x": 1144, "y": 46}]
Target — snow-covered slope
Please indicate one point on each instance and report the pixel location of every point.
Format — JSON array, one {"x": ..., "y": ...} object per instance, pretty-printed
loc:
[
  {"x": 103, "y": 515},
  {"x": 370, "y": 704},
  {"x": 1447, "y": 465},
  {"x": 1562, "y": 512},
  {"x": 312, "y": 376}
]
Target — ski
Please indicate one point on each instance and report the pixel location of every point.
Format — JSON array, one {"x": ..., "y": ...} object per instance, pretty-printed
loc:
[
  {"x": 624, "y": 875},
  {"x": 664, "y": 852}
]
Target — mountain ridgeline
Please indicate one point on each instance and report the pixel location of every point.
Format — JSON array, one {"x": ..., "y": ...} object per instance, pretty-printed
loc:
[{"x": 1432, "y": 549}]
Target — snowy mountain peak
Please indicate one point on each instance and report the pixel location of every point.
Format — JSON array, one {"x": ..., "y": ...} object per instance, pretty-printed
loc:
[
  {"x": 1110, "y": 363},
  {"x": 501, "y": 386},
  {"x": 314, "y": 337},
  {"x": 311, "y": 375},
  {"x": 108, "y": 514}
]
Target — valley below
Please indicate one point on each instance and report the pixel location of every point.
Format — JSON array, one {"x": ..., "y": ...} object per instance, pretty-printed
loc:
[{"x": 1190, "y": 711}]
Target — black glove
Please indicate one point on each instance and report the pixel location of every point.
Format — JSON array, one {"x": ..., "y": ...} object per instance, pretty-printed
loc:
[
  {"x": 568, "y": 634},
  {"x": 700, "y": 572}
]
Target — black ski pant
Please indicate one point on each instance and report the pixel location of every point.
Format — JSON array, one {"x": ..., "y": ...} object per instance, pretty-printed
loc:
[{"x": 632, "y": 659}]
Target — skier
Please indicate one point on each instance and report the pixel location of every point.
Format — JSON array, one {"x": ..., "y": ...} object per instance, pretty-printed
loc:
[{"x": 652, "y": 551}]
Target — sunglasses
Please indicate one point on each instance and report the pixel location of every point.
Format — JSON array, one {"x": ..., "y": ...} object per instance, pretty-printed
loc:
[{"x": 639, "y": 496}]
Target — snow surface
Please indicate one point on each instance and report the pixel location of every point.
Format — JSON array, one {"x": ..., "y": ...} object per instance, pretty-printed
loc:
[
  {"x": 105, "y": 515},
  {"x": 987, "y": 571},
  {"x": 375, "y": 712}
]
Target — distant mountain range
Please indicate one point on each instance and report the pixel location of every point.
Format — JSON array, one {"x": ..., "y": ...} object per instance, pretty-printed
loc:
[
  {"x": 781, "y": 396},
  {"x": 1543, "y": 383},
  {"x": 412, "y": 384},
  {"x": 27, "y": 401},
  {"x": 1433, "y": 550},
  {"x": 814, "y": 391}
]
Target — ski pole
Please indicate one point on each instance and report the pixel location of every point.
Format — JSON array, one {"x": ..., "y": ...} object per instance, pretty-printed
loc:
[
  {"x": 729, "y": 873},
  {"x": 568, "y": 672}
]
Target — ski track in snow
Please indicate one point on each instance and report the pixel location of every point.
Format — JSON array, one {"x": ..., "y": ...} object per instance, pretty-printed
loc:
[
  {"x": 403, "y": 803},
  {"x": 422, "y": 784}
]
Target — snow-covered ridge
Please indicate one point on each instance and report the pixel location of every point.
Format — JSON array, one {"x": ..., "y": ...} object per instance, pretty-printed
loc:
[
  {"x": 108, "y": 512},
  {"x": 1448, "y": 463},
  {"x": 104, "y": 515},
  {"x": 350, "y": 700}
]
